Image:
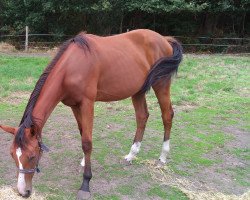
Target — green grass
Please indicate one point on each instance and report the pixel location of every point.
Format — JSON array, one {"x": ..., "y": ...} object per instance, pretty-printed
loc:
[
  {"x": 210, "y": 94},
  {"x": 241, "y": 175},
  {"x": 170, "y": 193},
  {"x": 19, "y": 74},
  {"x": 107, "y": 197},
  {"x": 243, "y": 153},
  {"x": 126, "y": 189}
]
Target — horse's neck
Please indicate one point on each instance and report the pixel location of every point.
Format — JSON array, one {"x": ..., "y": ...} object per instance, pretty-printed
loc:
[{"x": 49, "y": 97}]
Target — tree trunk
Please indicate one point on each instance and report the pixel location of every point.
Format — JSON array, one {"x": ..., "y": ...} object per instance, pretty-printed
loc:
[
  {"x": 121, "y": 23},
  {"x": 154, "y": 22},
  {"x": 243, "y": 28},
  {"x": 243, "y": 24},
  {"x": 209, "y": 24}
]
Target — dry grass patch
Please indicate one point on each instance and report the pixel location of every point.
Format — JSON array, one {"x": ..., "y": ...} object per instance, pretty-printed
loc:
[
  {"x": 193, "y": 191},
  {"x": 5, "y": 47},
  {"x": 15, "y": 98},
  {"x": 7, "y": 193}
]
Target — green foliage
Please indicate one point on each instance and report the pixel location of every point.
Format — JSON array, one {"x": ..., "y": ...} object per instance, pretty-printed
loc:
[
  {"x": 216, "y": 6},
  {"x": 175, "y": 17},
  {"x": 161, "y": 7}
]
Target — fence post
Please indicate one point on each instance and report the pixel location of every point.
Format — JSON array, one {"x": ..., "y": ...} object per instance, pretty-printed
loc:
[{"x": 26, "y": 38}]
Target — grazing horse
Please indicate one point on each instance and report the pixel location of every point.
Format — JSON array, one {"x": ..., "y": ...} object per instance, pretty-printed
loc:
[{"x": 89, "y": 68}]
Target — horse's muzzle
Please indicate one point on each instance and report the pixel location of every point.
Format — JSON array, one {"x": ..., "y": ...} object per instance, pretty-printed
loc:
[{"x": 27, "y": 194}]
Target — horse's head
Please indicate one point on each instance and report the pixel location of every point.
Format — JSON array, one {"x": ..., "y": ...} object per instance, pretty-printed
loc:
[{"x": 26, "y": 159}]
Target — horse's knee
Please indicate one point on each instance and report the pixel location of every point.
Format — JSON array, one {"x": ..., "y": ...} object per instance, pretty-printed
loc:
[
  {"x": 146, "y": 116},
  {"x": 86, "y": 146},
  {"x": 143, "y": 117},
  {"x": 167, "y": 117}
]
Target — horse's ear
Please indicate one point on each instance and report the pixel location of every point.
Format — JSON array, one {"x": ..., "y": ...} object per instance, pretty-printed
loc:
[{"x": 9, "y": 129}]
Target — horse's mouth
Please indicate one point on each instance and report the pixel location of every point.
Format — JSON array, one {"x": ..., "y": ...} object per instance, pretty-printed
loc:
[{"x": 27, "y": 194}]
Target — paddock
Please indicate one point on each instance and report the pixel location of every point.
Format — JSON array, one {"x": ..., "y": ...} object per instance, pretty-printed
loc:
[{"x": 210, "y": 141}]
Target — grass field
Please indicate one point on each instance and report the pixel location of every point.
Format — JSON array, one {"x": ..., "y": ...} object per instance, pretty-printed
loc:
[{"x": 210, "y": 141}]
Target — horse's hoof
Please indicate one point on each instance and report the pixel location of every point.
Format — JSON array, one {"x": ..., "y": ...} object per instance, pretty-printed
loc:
[
  {"x": 127, "y": 162},
  {"x": 83, "y": 195},
  {"x": 160, "y": 164}
]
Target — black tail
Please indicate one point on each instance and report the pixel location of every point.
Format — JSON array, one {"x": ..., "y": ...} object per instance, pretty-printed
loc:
[{"x": 164, "y": 68}]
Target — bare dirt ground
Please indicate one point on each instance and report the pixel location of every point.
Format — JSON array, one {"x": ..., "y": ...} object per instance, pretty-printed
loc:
[{"x": 211, "y": 177}]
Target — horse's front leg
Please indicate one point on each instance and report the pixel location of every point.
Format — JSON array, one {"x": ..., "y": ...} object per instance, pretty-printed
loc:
[{"x": 87, "y": 115}]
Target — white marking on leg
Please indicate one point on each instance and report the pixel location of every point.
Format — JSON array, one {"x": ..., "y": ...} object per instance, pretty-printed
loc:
[
  {"x": 83, "y": 161},
  {"x": 21, "y": 185},
  {"x": 135, "y": 148},
  {"x": 164, "y": 152}
]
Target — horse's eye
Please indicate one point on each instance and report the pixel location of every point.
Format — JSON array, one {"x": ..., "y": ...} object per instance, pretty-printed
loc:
[{"x": 31, "y": 158}]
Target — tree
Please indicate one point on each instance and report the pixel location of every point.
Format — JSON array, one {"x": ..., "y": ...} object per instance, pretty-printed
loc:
[{"x": 104, "y": 17}]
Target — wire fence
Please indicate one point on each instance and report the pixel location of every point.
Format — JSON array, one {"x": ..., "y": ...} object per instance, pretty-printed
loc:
[
  {"x": 215, "y": 45},
  {"x": 40, "y": 41},
  {"x": 190, "y": 44}
]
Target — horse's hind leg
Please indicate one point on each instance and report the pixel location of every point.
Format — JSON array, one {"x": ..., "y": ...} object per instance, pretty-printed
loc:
[
  {"x": 141, "y": 113},
  {"x": 162, "y": 92}
]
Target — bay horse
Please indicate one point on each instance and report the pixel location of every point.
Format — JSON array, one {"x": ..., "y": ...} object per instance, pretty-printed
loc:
[{"x": 89, "y": 68}]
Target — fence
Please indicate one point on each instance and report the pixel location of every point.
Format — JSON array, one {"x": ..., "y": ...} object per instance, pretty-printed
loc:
[
  {"x": 190, "y": 44},
  {"x": 211, "y": 44}
]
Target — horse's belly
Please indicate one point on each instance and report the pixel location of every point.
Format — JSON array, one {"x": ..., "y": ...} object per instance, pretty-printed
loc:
[
  {"x": 103, "y": 96},
  {"x": 119, "y": 87},
  {"x": 115, "y": 95}
]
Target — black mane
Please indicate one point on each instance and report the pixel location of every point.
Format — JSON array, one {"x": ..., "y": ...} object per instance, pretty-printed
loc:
[{"x": 27, "y": 120}]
